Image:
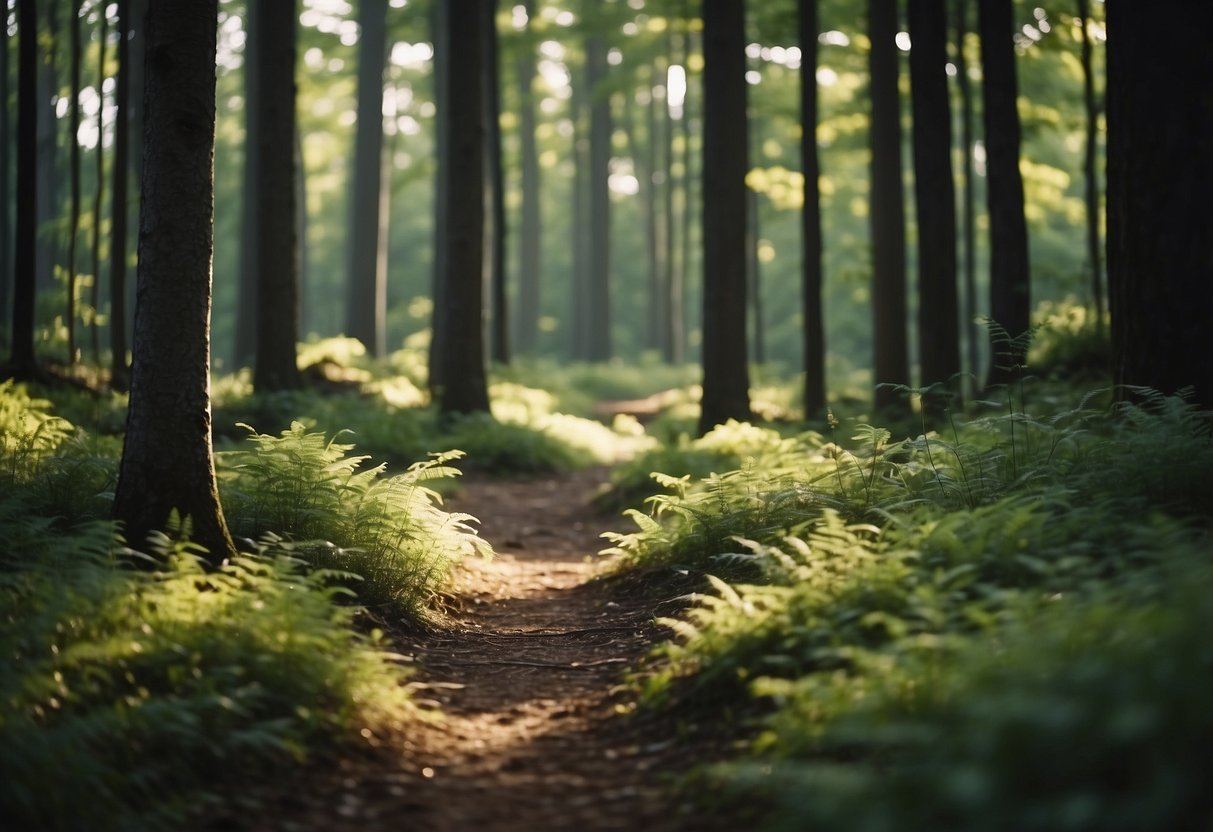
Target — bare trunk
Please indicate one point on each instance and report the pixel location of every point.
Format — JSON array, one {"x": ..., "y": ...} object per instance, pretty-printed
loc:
[
  {"x": 529, "y": 283},
  {"x": 599, "y": 272},
  {"x": 119, "y": 372},
  {"x": 1090, "y": 163},
  {"x": 810, "y": 219},
  {"x": 99, "y": 197}
]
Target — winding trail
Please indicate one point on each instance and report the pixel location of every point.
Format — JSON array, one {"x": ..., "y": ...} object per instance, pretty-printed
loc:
[{"x": 528, "y": 680}]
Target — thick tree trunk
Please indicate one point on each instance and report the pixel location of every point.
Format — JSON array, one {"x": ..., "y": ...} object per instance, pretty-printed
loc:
[
  {"x": 1160, "y": 200},
  {"x": 726, "y": 382},
  {"x": 890, "y": 362},
  {"x": 1009, "y": 271},
  {"x": 21, "y": 357},
  {"x": 599, "y": 322},
  {"x": 119, "y": 372},
  {"x": 810, "y": 219},
  {"x": 526, "y": 331},
  {"x": 167, "y": 462},
  {"x": 935, "y": 199},
  {"x": 277, "y": 244},
  {"x": 968, "y": 202},
  {"x": 465, "y": 387},
  {"x": 366, "y": 306}
]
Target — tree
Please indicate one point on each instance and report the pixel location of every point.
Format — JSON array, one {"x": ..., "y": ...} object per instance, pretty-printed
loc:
[
  {"x": 99, "y": 193},
  {"x": 167, "y": 463},
  {"x": 1160, "y": 178},
  {"x": 6, "y": 272},
  {"x": 726, "y": 382},
  {"x": 250, "y": 225},
  {"x": 598, "y": 323},
  {"x": 1009, "y": 277},
  {"x": 48, "y": 144},
  {"x": 366, "y": 308},
  {"x": 276, "y": 367},
  {"x": 934, "y": 196},
  {"x": 442, "y": 162},
  {"x": 499, "y": 345},
  {"x": 21, "y": 364},
  {"x": 73, "y": 228},
  {"x": 464, "y": 387},
  {"x": 810, "y": 218},
  {"x": 526, "y": 329},
  {"x": 890, "y": 363},
  {"x": 968, "y": 199},
  {"x": 1094, "y": 238},
  {"x": 119, "y": 372}
]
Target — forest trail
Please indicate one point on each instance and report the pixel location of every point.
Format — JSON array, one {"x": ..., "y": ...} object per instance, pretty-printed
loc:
[{"x": 528, "y": 681}]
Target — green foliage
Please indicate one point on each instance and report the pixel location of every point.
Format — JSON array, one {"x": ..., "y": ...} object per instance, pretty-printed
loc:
[
  {"x": 389, "y": 532},
  {"x": 132, "y": 697}
]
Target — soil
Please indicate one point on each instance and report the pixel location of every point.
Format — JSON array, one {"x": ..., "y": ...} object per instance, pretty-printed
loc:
[{"x": 528, "y": 675}]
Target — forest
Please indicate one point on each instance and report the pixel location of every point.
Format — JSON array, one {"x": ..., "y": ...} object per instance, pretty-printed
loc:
[{"x": 600, "y": 414}]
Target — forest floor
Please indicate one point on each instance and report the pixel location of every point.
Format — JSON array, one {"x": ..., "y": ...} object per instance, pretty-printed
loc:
[{"x": 528, "y": 675}]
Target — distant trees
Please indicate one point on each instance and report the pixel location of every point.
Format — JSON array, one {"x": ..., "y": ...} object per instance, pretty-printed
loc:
[
  {"x": 726, "y": 380},
  {"x": 890, "y": 362},
  {"x": 598, "y": 267},
  {"x": 119, "y": 372},
  {"x": 460, "y": 358},
  {"x": 526, "y": 329},
  {"x": 1160, "y": 212},
  {"x": 21, "y": 364},
  {"x": 811, "y": 269},
  {"x": 1009, "y": 276},
  {"x": 167, "y": 462}
]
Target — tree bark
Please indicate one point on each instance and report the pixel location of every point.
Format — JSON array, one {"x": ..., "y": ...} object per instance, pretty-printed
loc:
[
  {"x": 119, "y": 372},
  {"x": 810, "y": 219},
  {"x": 250, "y": 221},
  {"x": 167, "y": 463},
  {"x": 495, "y": 228},
  {"x": 465, "y": 387},
  {"x": 1090, "y": 163},
  {"x": 277, "y": 240},
  {"x": 6, "y": 237},
  {"x": 1009, "y": 270},
  {"x": 599, "y": 272},
  {"x": 1160, "y": 209},
  {"x": 968, "y": 202},
  {"x": 442, "y": 161},
  {"x": 47, "y": 243},
  {"x": 526, "y": 331},
  {"x": 890, "y": 362},
  {"x": 726, "y": 380},
  {"x": 73, "y": 226},
  {"x": 21, "y": 364},
  {"x": 935, "y": 199},
  {"x": 366, "y": 308},
  {"x": 99, "y": 195}
]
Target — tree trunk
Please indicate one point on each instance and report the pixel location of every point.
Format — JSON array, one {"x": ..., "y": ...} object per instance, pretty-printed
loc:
[
  {"x": 810, "y": 219},
  {"x": 366, "y": 307},
  {"x": 599, "y": 296},
  {"x": 1160, "y": 177},
  {"x": 680, "y": 277},
  {"x": 442, "y": 161},
  {"x": 119, "y": 372},
  {"x": 529, "y": 283},
  {"x": 73, "y": 227},
  {"x": 1090, "y": 163},
  {"x": 250, "y": 222},
  {"x": 167, "y": 462},
  {"x": 754, "y": 278},
  {"x": 1009, "y": 275},
  {"x": 277, "y": 303},
  {"x": 726, "y": 382},
  {"x": 935, "y": 199},
  {"x": 890, "y": 362},
  {"x": 6, "y": 238},
  {"x": 47, "y": 242},
  {"x": 659, "y": 209},
  {"x": 21, "y": 364},
  {"x": 465, "y": 387},
  {"x": 578, "y": 344},
  {"x": 968, "y": 201},
  {"x": 99, "y": 196},
  {"x": 495, "y": 227}
]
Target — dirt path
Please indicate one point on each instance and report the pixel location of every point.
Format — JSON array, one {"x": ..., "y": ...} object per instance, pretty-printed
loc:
[{"x": 528, "y": 679}]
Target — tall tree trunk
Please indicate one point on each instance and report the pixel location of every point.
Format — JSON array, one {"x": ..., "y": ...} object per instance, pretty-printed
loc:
[
  {"x": 526, "y": 331},
  {"x": 442, "y": 161},
  {"x": 167, "y": 463},
  {"x": 250, "y": 222},
  {"x": 21, "y": 364},
  {"x": 495, "y": 227},
  {"x": 138, "y": 54},
  {"x": 1160, "y": 210},
  {"x": 301, "y": 223},
  {"x": 599, "y": 322},
  {"x": 686, "y": 255},
  {"x": 658, "y": 208},
  {"x": 366, "y": 307},
  {"x": 968, "y": 202},
  {"x": 578, "y": 344},
  {"x": 810, "y": 218},
  {"x": 1090, "y": 163},
  {"x": 119, "y": 372},
  {"x": 465, "y": 386},
  {"x": 99, "y": 196},
  {"x": 277, "y": 304},
  {"x": 73, "y": 227},
  {"x": 935, "y": 199},
  {"x": 1009, "y": 275},
  {"x": 754, "y": 279},
  {"x": 890, "y": 362},
  {"x": 726, "y": 382},
  {"x": 642, "y": 162},
  {"x": 6, "y": 237}
]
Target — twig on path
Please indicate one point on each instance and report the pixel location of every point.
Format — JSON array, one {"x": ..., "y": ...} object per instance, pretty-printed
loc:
[
  {"x": 577, "y": 632},
  {"x": 523, "y": 663}
]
